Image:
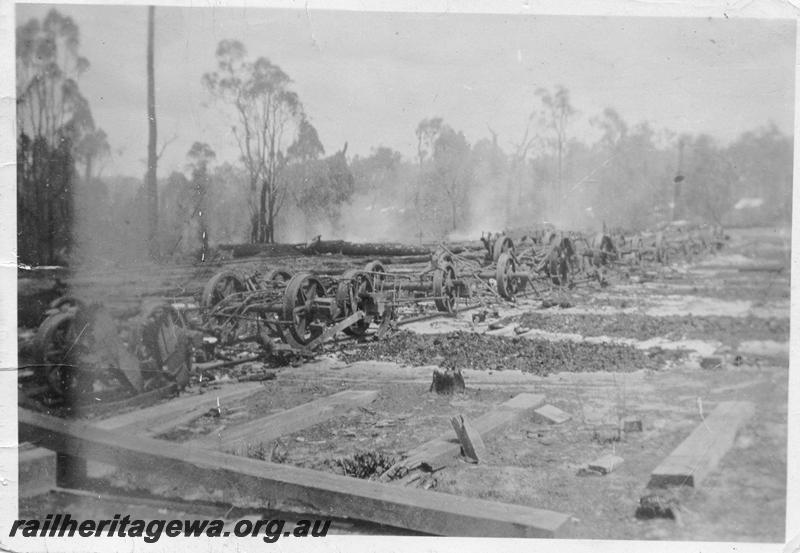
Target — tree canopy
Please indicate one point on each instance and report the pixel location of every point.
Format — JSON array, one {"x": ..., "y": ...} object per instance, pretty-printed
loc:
[
  {"x": 267, "y": 113},
  {"x": 56, "y": 131}
]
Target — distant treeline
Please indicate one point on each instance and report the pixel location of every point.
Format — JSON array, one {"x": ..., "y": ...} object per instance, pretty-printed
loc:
[
  {"x": 626, "y": 180},
  {"x": 284, "y": 188}
]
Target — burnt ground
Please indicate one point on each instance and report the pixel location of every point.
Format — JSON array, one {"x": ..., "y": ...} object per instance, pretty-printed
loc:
[
  {"x": 730, "y": 330},
  {"x": 463, "y": 349},
  {"x": 661, "y": 346}
]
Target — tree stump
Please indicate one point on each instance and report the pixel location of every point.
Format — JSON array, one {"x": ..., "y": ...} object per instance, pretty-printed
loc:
[{"x": 447, "y": 382}]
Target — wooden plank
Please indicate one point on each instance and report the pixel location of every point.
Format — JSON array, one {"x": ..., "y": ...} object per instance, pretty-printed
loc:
[
  {"x": 113, "y": 501},
  {"x": 199, "y": 367},
  {"x": 632, "y": 424},
  {"x": 549, "y": 414},
  {"x": 606, "y": 464},
  {"x": 100, "y": 409},
  {"x": 472, "y": 445},
  {"x": 253, "y": 483},
  {"x": 166, "y": 416},
  {"x": 163, "y": 417},
  {"x": 272, "y": 427},
  {"x": 700, "y": 453},
  {"x": 440, "y": 451},
  {"x": 37, "y": 471}
]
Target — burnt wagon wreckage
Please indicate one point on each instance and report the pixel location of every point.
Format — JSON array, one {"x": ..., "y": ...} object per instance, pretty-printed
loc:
[
  {"x": 89, "y": 359},
  {"x": 78, "y": 341}
]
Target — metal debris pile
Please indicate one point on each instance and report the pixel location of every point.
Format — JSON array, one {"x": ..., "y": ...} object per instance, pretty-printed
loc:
[{"x": 289, "y": 314}]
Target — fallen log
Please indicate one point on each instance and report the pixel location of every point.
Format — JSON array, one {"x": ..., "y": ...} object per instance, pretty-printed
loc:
[
  {"x": 763, "y": 268},
  {"x": 271, "y": 250},
  {"x": 254, "y": 483},
  {"x": 364, "y": 249},
  {"x": 405, "y": 259}
]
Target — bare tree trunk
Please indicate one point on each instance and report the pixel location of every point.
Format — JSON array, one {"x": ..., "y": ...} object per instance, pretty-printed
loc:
[
  {"x": 51, "y": 233},
  {"x": 152, "y": 157},
  {"x": 453, "y": 201},
  {"x": 559, "y": 184},
  {"x": 271, "y": 225},
  {"x": 254, "y": 228},
  {"x": 271, "y": 209},
  {"x": 262, "y": 213},
  {"x": 202, "y": 213},
  {"x": 676, "y": 197}
]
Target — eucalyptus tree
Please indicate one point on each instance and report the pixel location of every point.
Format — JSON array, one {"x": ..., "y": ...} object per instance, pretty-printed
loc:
[
  {"x": 267, "y": 114},
  {"x": 55, "y": 129}
]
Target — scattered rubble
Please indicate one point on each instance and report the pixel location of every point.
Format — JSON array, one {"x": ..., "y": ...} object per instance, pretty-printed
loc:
[
  {"x": 631, "y": 424},
  {"x": 539, "y": 458},
  {"x": 606, "y": 464},
  {"x": 367, "y": 465},
  {"x": 606, "y": 434},
  {"x": 731, "y": 330},
  {"x": 485, "y": 352},
  {"x": 657, "y": 506}
]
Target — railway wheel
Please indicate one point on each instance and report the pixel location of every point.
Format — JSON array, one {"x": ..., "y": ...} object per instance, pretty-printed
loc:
[
  {"x": 298, "y": 307},
  {"x": 216, "y": 299},
  {"x": 221, "y": 286},
  {"x": 508, "y": 283},
  {"x": 558, "y": 270},
  {"x": 59, "y": 344},
  {"x": 166, "y": 345},
  {"x": 351, "y": 296},
  {"x": 502, "y": 245},
  {"x": 278, "y": 276},
  {"x": 65, "y": 303},
  {"x": 563, "y": 272},
  {"x": 444, "y": 288},
  {"x": 376, "y": 272},
  {"x": 273, "y": 279}
]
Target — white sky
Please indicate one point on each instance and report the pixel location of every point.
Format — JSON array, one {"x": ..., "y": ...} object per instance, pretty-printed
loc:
[{"x": 369, "y": 78}]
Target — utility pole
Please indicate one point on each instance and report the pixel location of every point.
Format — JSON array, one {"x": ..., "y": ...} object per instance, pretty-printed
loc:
[
  {"x": 676, "y": 192},
  {"x": 152, "y": 157}
]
